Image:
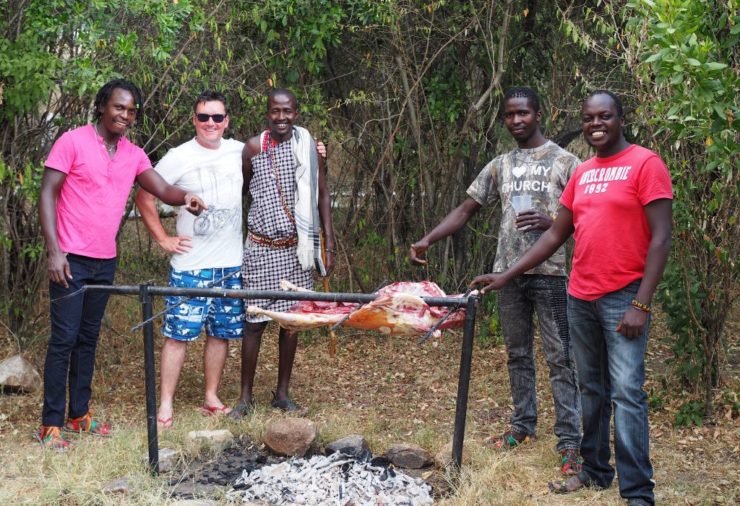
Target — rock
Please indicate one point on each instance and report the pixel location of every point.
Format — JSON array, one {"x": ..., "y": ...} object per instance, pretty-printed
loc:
[
  {"x": 443, "y": 458},
  {"x": 187, "y": 490},
  {"x": 408, "y": 456},
  {"x": 290, "y": 436},
  {"x": 353, "y": 445},
  {"x": 119, "y": 486},
  {"x": 167, "y": 459},
  {"x": 213, "y": 438},
  {"x": 17, "y": 374}
]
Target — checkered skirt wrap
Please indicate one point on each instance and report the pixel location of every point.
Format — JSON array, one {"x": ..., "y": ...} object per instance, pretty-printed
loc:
[{"x": 263, "y": 267}]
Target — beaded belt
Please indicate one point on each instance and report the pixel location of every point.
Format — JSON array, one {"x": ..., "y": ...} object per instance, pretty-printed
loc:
[{"x": 283, "y": 242}]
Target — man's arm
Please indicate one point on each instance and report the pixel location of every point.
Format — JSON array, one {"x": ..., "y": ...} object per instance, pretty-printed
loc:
[
  {"x": 146, "y": 202},
  {"x": 251, "y": 148},
  {"x": 152, "y": 182},
  {"x": 451, "y": 223},
  {"x": 327, "y": 225},
  {"x": 659, "y": 215},
  {"x": 51, "y": 185},
  {"x": 546, "y": 245}
]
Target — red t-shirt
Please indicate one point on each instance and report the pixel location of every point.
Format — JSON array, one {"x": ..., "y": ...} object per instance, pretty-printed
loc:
[{"x": 607, "y": 197}]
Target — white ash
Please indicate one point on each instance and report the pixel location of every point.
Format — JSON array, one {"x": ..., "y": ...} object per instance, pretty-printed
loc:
[{"x": 336, "y": 479}]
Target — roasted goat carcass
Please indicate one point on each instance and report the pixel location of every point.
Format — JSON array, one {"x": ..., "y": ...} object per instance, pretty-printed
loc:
[{"x": 398, "y": 310}]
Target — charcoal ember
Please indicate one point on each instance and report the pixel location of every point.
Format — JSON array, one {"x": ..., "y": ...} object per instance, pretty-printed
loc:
[{"x": 332, "y": 479}]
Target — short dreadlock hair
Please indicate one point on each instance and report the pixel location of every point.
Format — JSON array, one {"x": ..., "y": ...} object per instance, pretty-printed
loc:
[{"x": 106, "y": 92}]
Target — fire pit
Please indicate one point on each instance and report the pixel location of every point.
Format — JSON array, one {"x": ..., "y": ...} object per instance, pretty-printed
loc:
[
  {"x": 335, "y": 479},
  {"x": 246, "y": 471}
]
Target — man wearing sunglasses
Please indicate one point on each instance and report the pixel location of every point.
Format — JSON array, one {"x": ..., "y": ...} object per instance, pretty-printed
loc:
[{"x": 206, "y": 251}]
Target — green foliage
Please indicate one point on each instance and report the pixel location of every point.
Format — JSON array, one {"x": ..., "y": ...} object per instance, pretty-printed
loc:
[
  {"x": 690, "y": 413},
  {"x": 690, "y": 79}
]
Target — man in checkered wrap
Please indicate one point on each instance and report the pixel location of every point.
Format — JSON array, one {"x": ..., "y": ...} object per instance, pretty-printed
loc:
[{"x": 272, "y": 166}]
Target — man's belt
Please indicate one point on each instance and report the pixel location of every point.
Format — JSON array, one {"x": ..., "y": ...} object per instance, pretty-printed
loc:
[{"x": 281, "y": 243}]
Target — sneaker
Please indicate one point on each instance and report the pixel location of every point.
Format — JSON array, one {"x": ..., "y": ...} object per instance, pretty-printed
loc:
[
  {"x": 241, "y": 410},
  {"x": 88, "y": 425},
  {"x": 571, "y": 461},
  {"x": 510, "y": 439},
  {"x": 51, "y": 437}
]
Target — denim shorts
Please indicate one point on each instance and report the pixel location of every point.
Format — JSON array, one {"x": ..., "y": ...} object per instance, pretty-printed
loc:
[{"x": 223, "y": 317}]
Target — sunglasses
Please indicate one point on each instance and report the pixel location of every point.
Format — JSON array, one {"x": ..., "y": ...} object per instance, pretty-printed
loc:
[{"x": 203, "y": 118}]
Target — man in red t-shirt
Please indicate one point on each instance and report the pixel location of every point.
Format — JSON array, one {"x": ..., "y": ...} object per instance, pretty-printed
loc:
[{"x": 618, "y": 207}]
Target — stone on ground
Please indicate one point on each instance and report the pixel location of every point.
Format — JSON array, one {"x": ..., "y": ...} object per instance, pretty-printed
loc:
[
  {"x": 119, "y": 486},
  {"x": 213, "y": 438},
  {"x": 353, "y": 445},
  {"x": 17, "y": 374},
  {"x": 408, "y": 456},
  {"x": 290, "y": 436}
]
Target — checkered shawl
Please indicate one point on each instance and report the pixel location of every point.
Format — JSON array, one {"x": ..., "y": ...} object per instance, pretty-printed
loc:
[{"x": 264, "y": 267}]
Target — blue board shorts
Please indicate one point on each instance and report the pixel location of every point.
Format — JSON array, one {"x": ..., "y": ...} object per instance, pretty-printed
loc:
[{"x": 223, "y": 317}]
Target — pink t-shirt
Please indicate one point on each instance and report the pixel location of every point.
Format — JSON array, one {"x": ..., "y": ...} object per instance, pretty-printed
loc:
[
  {"x": 607, "y": 197},
  {"x": 93, "y": 197}
]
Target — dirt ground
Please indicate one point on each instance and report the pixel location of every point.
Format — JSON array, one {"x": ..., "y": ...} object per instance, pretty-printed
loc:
[{"x": 388, "y": 389}]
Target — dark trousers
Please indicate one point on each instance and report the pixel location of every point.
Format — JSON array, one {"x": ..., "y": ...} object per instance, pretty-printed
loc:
[{"x": 75, "y": 325}]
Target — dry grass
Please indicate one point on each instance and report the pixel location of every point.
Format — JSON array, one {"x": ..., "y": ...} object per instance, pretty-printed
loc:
[{"x": 388, "y": 389}]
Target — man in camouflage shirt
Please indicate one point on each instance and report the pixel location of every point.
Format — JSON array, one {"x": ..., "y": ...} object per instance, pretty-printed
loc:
[{"x": 528, "y": 182}]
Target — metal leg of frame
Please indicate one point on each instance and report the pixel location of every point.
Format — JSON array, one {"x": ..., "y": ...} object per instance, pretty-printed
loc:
[
  {"x": 150, "y": 379},
  {"x": 463, "y": 383}
]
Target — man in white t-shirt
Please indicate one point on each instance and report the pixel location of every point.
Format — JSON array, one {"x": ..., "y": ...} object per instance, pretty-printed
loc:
[{"x": 206, "y": 252}]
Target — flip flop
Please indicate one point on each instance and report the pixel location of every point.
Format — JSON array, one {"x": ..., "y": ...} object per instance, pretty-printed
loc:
[
  {"x": 215, "y": 410},
  {"x": 164, "y": 423}
]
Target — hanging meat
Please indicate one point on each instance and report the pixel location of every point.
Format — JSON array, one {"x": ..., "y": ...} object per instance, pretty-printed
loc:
[{"x": 397, "y": 310}]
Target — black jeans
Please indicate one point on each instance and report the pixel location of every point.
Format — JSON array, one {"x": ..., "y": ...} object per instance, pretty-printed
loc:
[{"x": 75, "y": 325}]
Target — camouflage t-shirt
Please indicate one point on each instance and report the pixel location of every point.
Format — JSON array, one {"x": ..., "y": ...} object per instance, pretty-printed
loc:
[{"x": 541, "y": 173}]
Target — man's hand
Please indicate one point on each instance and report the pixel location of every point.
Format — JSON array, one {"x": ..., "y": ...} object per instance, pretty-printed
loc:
[
  {"x": 194, "y": 204},
  {"x": 492, "y": 281},
  {"x": 176, "y": 244},
  {"x": 321, "y": 148},
  {"x": 417, "y": 250},
  {"x": 59, "y": 271},
  {"x": 533, "y": 220},
  {"x": 632, "y": 324},
  {"x": 329, "y": 261}
]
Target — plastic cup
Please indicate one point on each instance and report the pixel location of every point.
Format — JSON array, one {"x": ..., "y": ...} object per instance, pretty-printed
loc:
[{"x": 521, "y": 203}]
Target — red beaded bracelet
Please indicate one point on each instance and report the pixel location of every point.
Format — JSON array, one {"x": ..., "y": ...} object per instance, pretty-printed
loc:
[{"x": 639, "y": 305}]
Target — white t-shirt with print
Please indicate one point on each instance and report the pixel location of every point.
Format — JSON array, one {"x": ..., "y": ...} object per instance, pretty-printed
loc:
[{"x": 215, "y": 175}]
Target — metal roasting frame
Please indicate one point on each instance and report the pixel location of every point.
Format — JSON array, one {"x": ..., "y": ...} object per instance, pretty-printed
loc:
[{"x": 146, "y": 293}]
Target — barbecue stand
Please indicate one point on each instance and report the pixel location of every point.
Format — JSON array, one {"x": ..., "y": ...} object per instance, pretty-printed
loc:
[{"x": 146, "y": 293}]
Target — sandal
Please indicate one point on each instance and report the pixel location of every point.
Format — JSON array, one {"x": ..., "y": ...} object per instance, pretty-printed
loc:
[
  {"x": 164, "y": 423},
  {"x": 241, "y": 410},
  {"x": 571, "y": 461},
  {"x": 86, "y": 424},
  {"x": 510, "y": 439},
  {"x": 285, "y": 405},
  {"x": 567, "y": 486},
  {"x": 51, "y": 438},
  {"x": 207, "y": 410}
]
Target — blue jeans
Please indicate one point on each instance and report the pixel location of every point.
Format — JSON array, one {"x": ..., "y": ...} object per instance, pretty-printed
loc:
[
  {"x": 75, "y": 325},
  {"x": 517, "y": 302},
  {"x": 611, "y": 370}
]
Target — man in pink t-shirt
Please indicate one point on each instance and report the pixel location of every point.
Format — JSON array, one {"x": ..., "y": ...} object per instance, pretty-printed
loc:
[
  {"x": 88, "y": 177},
  {"x": 618, "y": 207}
]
